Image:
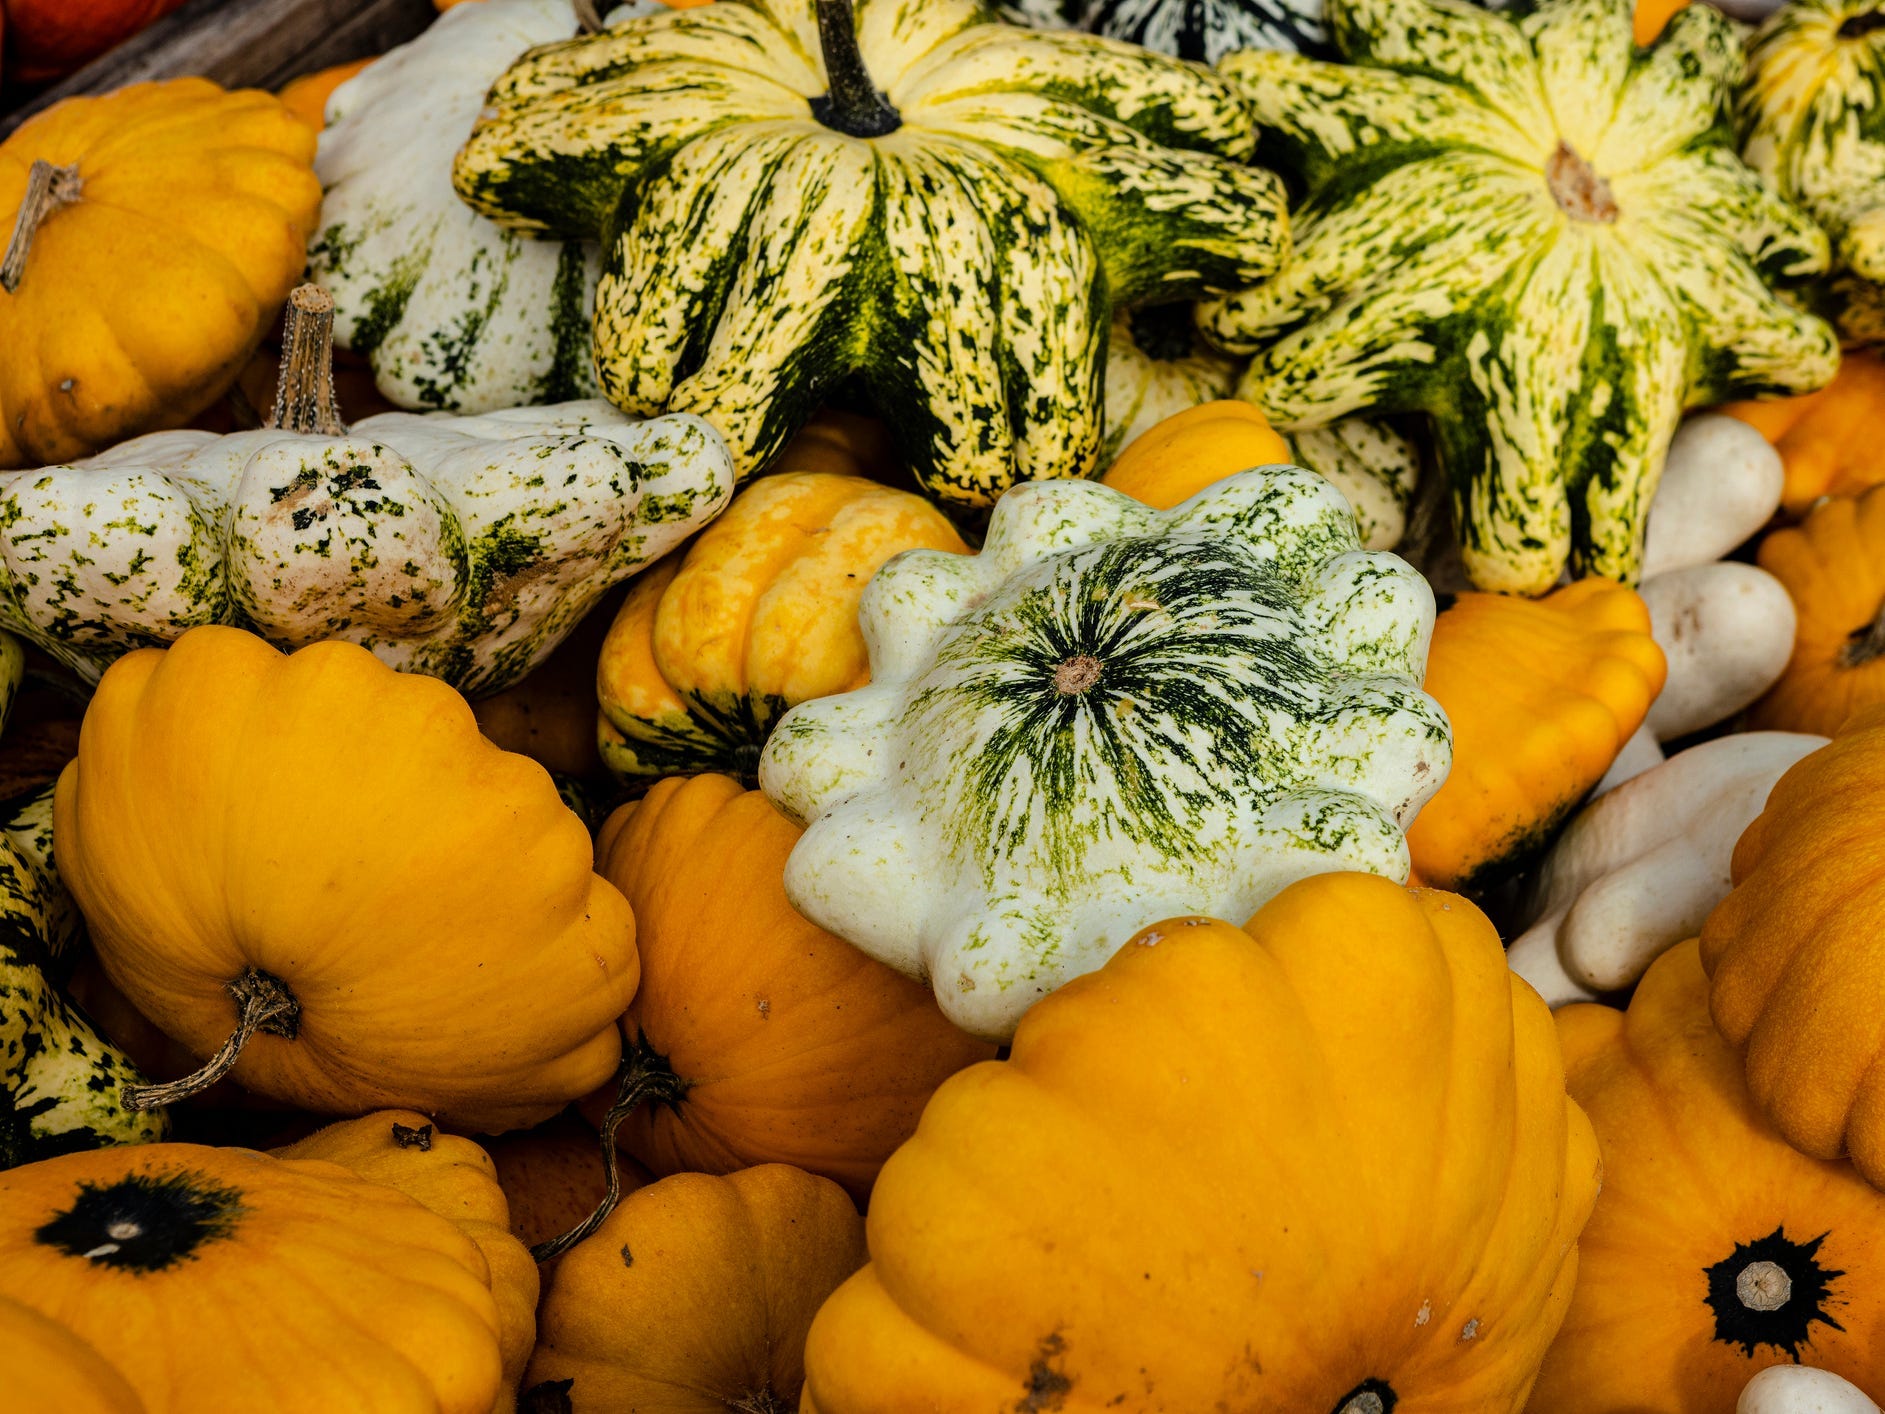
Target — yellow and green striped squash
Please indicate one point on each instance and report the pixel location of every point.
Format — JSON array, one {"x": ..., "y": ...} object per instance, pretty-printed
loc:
[
  {"x": 1812, "y": 117},
  {"x": 957, "y": 241},
  {"x": 1540, "y": 236}
]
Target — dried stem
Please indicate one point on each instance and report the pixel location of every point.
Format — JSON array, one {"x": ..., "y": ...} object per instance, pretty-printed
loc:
[
  {"x": 588, "y": 21},
  {"x": 852, "y": 104},
  {"x": 47, "y": 189},
  {"x": 304, "y": 387},
  {"x": 263, "y": 1003}
]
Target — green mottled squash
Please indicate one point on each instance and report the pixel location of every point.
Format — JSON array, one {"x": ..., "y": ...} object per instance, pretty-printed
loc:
[
  {"x": 1111, "y": 715},
  {"x": 1539, "y": 235},
  {"x": 1812, "y": 119},
  {"x": 795, "y": 192}
]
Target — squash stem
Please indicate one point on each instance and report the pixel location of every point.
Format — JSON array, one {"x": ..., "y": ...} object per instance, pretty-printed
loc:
[
  {"x": 588, "y": 21},
  {"x": 1865, "y": 645},
  {"x": 645, "y": 1078},
  {"x": 47, "y": 189},
  {"x": 263, "y": 1003},
  {"x": 853, "y": 104},
  {"x": 304, "y": 389}
]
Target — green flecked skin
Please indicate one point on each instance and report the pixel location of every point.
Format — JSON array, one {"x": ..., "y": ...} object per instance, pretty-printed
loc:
[
  {"x": 453, "y": 312},
  {"x": 1537, "y": 234},
  {"x": 963, "y": 266},
  {"x": 464, "y": 548},
  {"x": 1811, "y": 111},
  {"x": 1109, "y": 716},
  {"x": 60, "y": 1081},
  {"x": 715, "y": 734}
]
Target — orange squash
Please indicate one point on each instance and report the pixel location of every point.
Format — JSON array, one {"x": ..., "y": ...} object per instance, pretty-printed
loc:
[
  {"x": 553, "y": 1177},
  {"x": 306, "y": 97},
  {"x": 1651, "y": 16},
  {"x": 695, "y": 1296},
  {"x": 1173, "y": 461},
  {"x": 1715, "y": 1250},
  {"x": 1796, "y": 952},
  {"x": 1827, "y": 440},
  {"x": 49, "y": 1370},
  {"x": 1542, "y": 694},
  {"x": 1833, "y": 568},
  {"x": 1325, "y": 1164},
  {"x": 757, "y": 1037}
]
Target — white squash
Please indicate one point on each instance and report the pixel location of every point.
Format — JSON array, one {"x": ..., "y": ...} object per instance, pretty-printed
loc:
[
  {"x": 1638, "y": 869},
  {"x": 1726, "y": 630},
  {"x": 1802, "y": 1389},
  {"x": 1109, "y": 716},
  {"x": 1639, "y": 754},
  {"x": 1720, "y": 485},
  {"x": 464, "y": 548}
]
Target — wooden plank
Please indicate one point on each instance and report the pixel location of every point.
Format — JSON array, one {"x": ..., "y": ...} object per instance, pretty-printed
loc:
[{"x": 245, "y": 44}]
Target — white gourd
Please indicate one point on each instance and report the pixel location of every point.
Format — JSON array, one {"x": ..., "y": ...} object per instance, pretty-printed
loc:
[
  {"x": 1802, "y": 1389},
  {"x": 1721, "y": 484},
  {"x": 1726, "y": 630}
]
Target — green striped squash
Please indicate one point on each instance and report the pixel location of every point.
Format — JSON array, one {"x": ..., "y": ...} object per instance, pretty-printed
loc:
[
  {"x": 452, "y": 311},
  {"x": 1109, "y": 716},
  {"x": 1812, "y": 118},
  {"x": 61, "y": 1082},
  {"x": 941, "y": 206},
  {"x": 1537, "y": 234}
]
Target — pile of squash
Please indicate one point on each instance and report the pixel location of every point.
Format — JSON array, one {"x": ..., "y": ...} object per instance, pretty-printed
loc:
[{"x": 856, "y": 705}]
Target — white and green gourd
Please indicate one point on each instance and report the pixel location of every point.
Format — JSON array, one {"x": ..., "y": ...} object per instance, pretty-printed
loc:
[
  {"x": 905, "y": 194},
  {"x": 1207, "y": 30},
  {"x": 1109, "y": 716},
  {"x": 1540, "y": 236},
  {"x": 453, "y": 312},
  {"x": 61, "y": 1083},
  {"x": 1812, "y": 116},
  {"x": 464, "y": 548}
]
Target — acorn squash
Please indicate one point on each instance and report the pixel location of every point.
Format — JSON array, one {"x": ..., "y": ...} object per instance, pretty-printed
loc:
[
  {"x": 463, "y": 548},
  {"x": 1110, "y": 714},
  {"x": 1537, "y": 234},
  {"x": 957, "y": 238}
]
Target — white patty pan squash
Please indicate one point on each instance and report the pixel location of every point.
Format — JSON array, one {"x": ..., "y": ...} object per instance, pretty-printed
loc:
[
  {"x": 1536, "y": 233},
  {"x": 454, "y": 312},
  {"x": 1812, "y": 119},
  {"x": 792, "y": 193},
  {"x": 463, "y": 548},
  {"x": 1109, "y": 716}
]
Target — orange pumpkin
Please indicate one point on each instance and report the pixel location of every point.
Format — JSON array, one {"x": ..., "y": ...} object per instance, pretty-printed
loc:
[
  {"x": 1828, "y": 441},
  {"x": 1796, "y": 952},
  {"x": 1715, "y": 1250},
  {"x": 1833, "y": 568},
  {"x": 757, "y": 1037},
  {"x": 1174, "y": 460},
  {"x": 1542, "y": 694},
  {"x": 49, "y": 1370}
]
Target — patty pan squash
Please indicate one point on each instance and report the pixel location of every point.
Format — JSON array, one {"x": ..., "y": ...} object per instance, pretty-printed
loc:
[
  {"x": 1539, "y": 235},
  {"x": 412, "y": 922},
  {"x": 155, "y": 232},
  {"x": 1177, "y": 1194},
  {"x": 949, "y": 208},
  {"x": 1110, "y": 715}
]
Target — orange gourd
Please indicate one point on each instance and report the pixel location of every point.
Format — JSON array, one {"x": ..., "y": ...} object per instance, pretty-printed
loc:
[
  {"x": 1715, "y": 1250},
  {"x": 49, "y": 1370},
  {"x": 1833, "y": 568},
  {"x": 695, "y": 1296},
  {"x": 1796, "y": 952},
  {"x": 1324, "y": 1164},
  {"x": 757, "y": 1037},
  {"x": 306, "y": 97},
  {"x": 1542, "y": 694},
  {"x": 1827, "y": 440},
  {"x": 1174, "y": 460}
]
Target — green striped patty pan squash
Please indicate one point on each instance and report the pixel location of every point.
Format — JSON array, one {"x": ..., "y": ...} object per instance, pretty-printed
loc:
[
  {"x": 910, "y": 194},
  {"x": 1111, "y": 715},
  {"x": 1536, "y": 233},
  {"x": 1812, "y": 117}
]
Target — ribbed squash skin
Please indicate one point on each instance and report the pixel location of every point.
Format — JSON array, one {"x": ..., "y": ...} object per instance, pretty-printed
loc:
[
  {"x": 224, "y": 1279},
  {"x": 711, "y": 648},
  {"x": 965, "y": 266},
  {"x": 50, "y": 1369},
  {"x": 1083, "y": 1226},
  {"x": 694, "y": 1296},
  {"x": 1796, "y": 958},
  {"x": 1827, "y": 440},
  {"x": 1811, "y": 121},
  {"x": 1833, "y": 567},
  {"x": 141, "y": 301},
  {"x": 1541, "y": 694},
  {"x": 1698, "y": 1188},
  {"x": 1540, "y": 236}
]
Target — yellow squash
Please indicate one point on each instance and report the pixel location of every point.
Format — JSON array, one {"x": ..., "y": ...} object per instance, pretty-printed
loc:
[
  {"x": 49, "y": 1370},
  {"x": 1326, "y": 1164},
  {"x": 1188, "y": 451},
  {"x": 1828, "y": 441},
  {"x": 1542, "y": 694},
  {"x": 165, "y": 226}
]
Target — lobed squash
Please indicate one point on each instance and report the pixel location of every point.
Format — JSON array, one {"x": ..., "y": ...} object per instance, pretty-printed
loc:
[
  {"x": 1174, "y": 1194},
  {"x": 1825, "y": 439},
  {"x": 49, "y": 1368}
]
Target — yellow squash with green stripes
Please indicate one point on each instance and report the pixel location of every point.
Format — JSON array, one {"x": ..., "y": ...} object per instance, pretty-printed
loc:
[
  {"x": 956, "y": 240},
  {"x": 1536, "y": 233},
  {"x": 1812, "y": 118}
]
